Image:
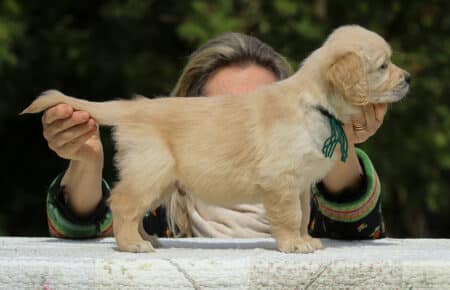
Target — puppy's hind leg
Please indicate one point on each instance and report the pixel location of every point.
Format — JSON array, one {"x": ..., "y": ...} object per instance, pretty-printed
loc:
[
  {"x": 285, "y": 216},
  {"x": 127, "y": 212},
  {"x": 140, "y": 190}
]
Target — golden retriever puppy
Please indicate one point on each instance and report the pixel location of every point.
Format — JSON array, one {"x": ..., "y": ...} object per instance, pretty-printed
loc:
[{"x": 265, "y": 147}]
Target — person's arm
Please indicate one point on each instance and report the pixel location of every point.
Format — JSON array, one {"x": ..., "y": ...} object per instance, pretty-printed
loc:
[
  {"x": 347, "y": 175},
  {"x": 347, "y": 202},
  {"x": 74, "y": 136},
  {"x": 76, "y": 198},
  {"x": 353, "y": 213},
  {"x": 82, "y": 183},
  {"x": 344, "y": 175}
]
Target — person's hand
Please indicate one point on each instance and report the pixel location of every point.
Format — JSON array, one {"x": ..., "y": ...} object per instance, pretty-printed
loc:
[
  {"x": 366, "y": 124},
  {"x": 361, "y": 127},
  {"x": 73, "y": 135}
]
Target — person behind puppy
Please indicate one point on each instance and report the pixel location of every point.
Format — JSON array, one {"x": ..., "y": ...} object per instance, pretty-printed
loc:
[{"x": 346, "y": 204}]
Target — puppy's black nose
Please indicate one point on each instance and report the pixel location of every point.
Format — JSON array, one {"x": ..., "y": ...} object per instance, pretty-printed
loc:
[{"x": 407, "y": 78}]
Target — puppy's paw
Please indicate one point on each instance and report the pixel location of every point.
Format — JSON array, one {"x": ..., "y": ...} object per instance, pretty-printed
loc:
[
  {"x": 315, "y": 243},
  {"x": 138, "y": 247},
  {"x": 152, "y": 239},
  {"x": 297, "y": 245}
]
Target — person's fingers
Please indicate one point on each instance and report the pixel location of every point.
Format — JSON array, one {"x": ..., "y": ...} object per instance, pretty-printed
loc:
[
  {"x": 369, "y": 117},
  {"x": 58, "y": 112},
  {"x": 359, "y": 120},
  {"x": 352, "y": 137},
  {"x": 72, "y": 133},
  {"x": 358, "y": 126},
  {"x": 365, "y": 124},
  {"x": 380, "y": 111},
  {"x": 69, "y": 150},
  {"x": 358, "y": 130},
  {"x": 77, "y": 118}
]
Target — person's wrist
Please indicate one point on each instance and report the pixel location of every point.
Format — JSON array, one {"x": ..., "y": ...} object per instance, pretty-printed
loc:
[
  {"x": 92, "y": 157},
  {"x": 91, "y": 154},
  {"x": 344, "y": 175},
  {"x": 82, "y": 184}
]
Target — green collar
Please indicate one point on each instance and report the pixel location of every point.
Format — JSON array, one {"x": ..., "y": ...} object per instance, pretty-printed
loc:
[{"x": 337, "y": 136}]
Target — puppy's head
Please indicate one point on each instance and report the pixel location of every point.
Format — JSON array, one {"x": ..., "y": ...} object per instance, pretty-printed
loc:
[{"x": 359, "y": 68}]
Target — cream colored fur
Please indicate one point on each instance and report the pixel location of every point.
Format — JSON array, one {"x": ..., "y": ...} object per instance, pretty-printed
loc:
[{"x": 264, "y": 147}]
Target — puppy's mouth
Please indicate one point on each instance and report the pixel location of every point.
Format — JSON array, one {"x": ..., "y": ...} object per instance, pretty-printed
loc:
[
  {"x": 398, "y": 93},
  {"x": 401, "y": 90}
]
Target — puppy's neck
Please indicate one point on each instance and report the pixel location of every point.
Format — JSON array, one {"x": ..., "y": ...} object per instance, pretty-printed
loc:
[{"x": 316, "y": 90}]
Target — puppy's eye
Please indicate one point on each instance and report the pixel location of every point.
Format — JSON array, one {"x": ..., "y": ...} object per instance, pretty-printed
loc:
[{"x": 384, "y": 66}]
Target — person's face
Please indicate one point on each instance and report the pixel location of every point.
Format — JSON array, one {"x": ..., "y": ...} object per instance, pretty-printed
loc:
[{"x": 238, "y": 80}]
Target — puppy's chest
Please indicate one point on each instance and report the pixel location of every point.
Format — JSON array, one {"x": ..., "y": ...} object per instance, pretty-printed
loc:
[
  {"x": 309, "y": 146},
  {"x": 314, "y": 167},
  {"x": 314, "y": 132},
  {"x": 300, "y": 148},
  {"x": 324, "y": 140}
]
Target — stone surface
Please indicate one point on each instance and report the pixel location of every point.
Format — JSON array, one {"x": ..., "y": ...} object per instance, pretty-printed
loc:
[{"x": 48, "y": 263}]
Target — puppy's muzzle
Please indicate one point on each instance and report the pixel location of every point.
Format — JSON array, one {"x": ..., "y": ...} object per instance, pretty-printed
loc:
[
  {"x": 403, "y": 87},
  {"x": 407, "y": 78}
]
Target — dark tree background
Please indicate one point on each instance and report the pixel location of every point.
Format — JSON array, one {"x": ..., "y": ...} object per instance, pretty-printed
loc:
[{"x": 111, "y": 49}]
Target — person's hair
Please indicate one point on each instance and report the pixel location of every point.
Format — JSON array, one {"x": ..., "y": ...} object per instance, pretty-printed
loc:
[{"x": 228, "y": 49}]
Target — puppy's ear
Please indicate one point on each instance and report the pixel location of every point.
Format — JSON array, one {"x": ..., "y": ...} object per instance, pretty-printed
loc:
[{"x": 348, "y": 78}]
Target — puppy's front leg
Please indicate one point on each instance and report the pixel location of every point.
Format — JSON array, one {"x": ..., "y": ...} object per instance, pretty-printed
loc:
[
  {"x": 285, "y": 216},
  {"x": 305, "y": 203}
]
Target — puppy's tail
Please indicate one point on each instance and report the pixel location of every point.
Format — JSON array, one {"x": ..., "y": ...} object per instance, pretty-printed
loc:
[
  {"x": 105, "y": 113},
  {"x": 177, "y": 215}
]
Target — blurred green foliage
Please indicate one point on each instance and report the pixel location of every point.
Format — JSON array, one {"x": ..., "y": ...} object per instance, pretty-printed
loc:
[{"x": 111, "y": 49}]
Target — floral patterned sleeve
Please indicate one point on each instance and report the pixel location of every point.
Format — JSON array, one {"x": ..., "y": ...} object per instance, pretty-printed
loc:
[{"x": 63, "y": 224}]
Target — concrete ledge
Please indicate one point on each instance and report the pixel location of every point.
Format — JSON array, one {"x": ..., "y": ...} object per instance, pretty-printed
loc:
[{"x": 48, "y": 263}]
